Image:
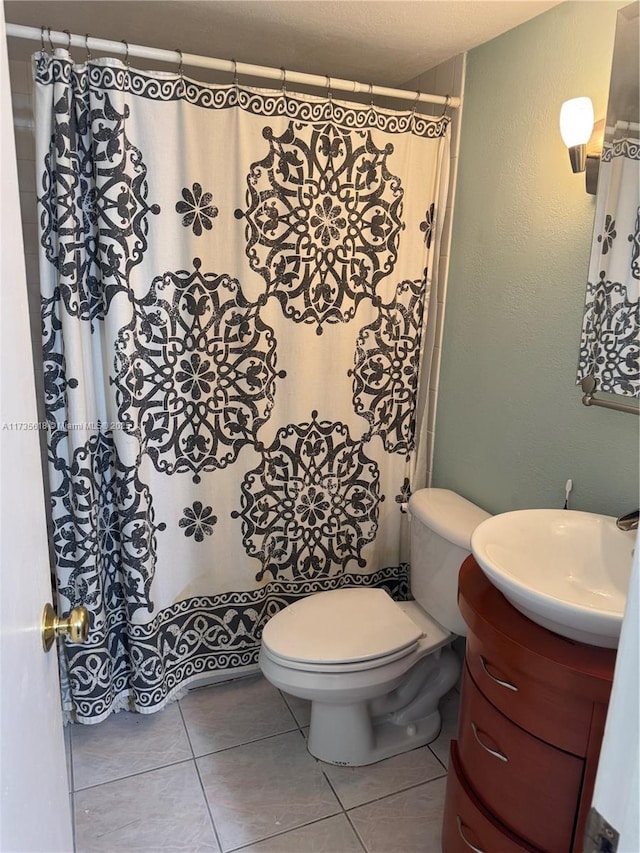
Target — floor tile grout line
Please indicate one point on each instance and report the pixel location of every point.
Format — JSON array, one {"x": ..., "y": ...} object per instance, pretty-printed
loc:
[
  {"x": 132, "y": 775},
  {"x": 329, "y": 783},
  {"x": 347, "y": 809},
  {"x": 208, "y": 805},
  {"x": 437, "y": 758},
  {"x": 394, "y": 793},
  {"x": 247, "y": 743},
  {"x": 379, "y": 799},
  {"x": 281, "y": 832},
  {"x": 345, "y": 812},
  {"x": 349, "y": 812},
  {"x": 357, "y": 834},
  {"x": 186, "y": 729},
  {"x": 286, "y": 832},
  {"x": 298, "y": 729},
  {"x": 296, "y": 724},
  {"x": 200, "y": 782}
]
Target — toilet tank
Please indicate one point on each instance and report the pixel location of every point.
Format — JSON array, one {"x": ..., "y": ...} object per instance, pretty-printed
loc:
[{"x": 441, "y": 526}]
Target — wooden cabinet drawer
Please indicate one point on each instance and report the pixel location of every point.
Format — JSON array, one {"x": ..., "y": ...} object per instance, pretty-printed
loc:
[
  {"x": 533, "y": 786},
  {"x": 559, "y": 682},
  {"x": 507, "y": 679},
  {"x": 467, "y": 825}
]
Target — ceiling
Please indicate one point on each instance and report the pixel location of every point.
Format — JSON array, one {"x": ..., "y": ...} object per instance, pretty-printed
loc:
[{"x": 385, "y": 42}]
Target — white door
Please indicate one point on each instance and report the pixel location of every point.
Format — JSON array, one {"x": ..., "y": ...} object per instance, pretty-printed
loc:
[
  {"x": 617, "y": 791},
  {"x": 34, "y": 805}
]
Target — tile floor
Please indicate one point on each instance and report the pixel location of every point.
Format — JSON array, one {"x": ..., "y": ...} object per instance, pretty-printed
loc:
[{"x": 226, "y": 768}]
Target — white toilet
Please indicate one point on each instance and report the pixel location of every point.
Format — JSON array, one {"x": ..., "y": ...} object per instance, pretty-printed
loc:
[{"x": 375, "y": 669}]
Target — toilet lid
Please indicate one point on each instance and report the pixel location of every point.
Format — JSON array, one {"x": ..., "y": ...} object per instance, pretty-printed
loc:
[{"x": 341, "y": 626}]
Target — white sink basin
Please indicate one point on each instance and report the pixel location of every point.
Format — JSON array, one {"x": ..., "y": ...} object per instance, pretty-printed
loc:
[{"x": 566, "y": 570}]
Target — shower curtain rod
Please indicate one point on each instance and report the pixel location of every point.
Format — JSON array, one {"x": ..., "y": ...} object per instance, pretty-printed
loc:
[{"x": 229, "y": 65}]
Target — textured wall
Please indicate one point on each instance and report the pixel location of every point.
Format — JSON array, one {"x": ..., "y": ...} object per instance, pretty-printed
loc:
[{"x": 511, "y": 427}]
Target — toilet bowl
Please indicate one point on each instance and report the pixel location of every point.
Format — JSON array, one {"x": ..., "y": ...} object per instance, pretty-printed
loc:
[
  {"x": 366, "y": 704},
  {"x": 375, "y": 669}
]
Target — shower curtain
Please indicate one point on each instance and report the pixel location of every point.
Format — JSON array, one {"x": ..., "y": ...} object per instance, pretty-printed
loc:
[
  {"x": 235, "y": 287},
  {"x": 610, "y": 342}
]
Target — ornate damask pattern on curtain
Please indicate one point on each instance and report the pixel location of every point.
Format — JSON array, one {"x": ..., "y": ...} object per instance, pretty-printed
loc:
[
  {"x": 610, "y": 343},
  {"x": 235, "y": 286}
]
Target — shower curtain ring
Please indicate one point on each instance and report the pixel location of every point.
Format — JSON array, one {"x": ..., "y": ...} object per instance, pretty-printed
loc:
[
  {"x": 126, "y": 55},
  {"x": 329, "y": 92},
  {"x": 68, "y": 35},
  {"x": 371, "y": 95},
  {"x": 180, "y": 67},
  {"x": 49, "y": 39},
  {"x": 235, "y": 82},
  {"x": 446, "y": 105},
  {"x": 42, "y": 48},
  {"x": 86, "y": 47},
  {"x": 283, "y": 90},
  {"x": 415, "y": 103}
]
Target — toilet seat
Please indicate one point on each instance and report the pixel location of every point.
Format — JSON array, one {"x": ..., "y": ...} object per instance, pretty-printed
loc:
[
  {"x": 341, "y": 630},
  {"x": 336, "y": 668}
]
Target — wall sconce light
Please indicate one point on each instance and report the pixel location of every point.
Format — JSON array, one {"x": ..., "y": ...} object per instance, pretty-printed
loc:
[{"x": 576, "y": 128}]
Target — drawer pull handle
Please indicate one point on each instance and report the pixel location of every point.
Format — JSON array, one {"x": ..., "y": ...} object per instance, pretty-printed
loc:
[
  {"x": 499, "y": 681},
  {"x": 493, "y": 752},
  {"x": 466, "y": 841}
]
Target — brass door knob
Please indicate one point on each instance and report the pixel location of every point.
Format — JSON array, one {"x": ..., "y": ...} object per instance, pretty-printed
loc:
[{"x": 75, "y": 626}]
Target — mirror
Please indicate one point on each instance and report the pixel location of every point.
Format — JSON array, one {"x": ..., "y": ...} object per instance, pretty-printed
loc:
[{"x": 610, "y": 342}]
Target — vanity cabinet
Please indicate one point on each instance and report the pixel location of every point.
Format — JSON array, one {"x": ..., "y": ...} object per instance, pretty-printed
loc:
[{"x": 532, "y": 716}]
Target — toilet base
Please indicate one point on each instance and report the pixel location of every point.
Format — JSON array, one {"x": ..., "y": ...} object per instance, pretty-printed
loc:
[
  {"x": 352, "y": 735},
  {"x": 345, "y": 735}
]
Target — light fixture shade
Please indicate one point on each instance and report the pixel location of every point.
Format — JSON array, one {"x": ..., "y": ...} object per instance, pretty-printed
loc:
[{"x": 576, "y": 121}]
